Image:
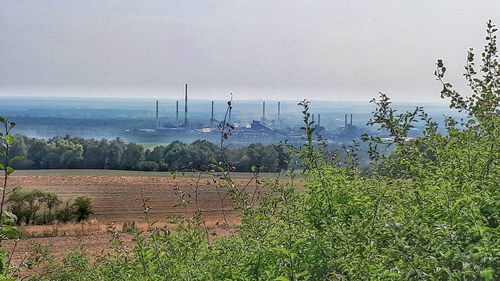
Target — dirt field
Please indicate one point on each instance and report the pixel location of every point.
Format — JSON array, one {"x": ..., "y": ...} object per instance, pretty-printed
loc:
[{"x": 115, "y": 198}]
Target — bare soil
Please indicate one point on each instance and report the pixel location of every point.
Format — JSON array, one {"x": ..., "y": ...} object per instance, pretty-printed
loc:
[{"x": 116, "y": 200}]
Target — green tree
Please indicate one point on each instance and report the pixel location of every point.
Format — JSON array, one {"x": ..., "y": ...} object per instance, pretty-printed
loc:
[
  {"x": 82, "y": 207},
  {"x": 63, "y": 153},
  {"x": 52, "y": 201},
  {"x": 176, "y": 155},
  {"x": 157, "y": 154},
  {"x": 201, "y": 154},
  {"x": 37, "y": 151},
  {"x": 131, "y": 156},
  {"x": 115, "y": 154},
  {"x": 94, "y": 153}
]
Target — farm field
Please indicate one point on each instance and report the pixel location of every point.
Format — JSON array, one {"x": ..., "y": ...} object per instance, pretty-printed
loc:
[
  {"x": 98, "y": 172},
  {"x": 115, "y": 197},
  {"x": 152, "y": 145}
]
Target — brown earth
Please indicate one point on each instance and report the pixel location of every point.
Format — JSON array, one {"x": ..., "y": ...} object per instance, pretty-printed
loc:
[{"x": 117, "y": 200}]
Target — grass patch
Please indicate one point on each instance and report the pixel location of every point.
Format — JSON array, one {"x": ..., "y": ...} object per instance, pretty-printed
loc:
[
  {"x": 152, "y": 145},
  {"x": 125, "y": 173}
]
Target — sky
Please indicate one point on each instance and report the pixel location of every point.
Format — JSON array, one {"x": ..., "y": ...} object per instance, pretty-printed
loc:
[{"x": 260, "y": 49}]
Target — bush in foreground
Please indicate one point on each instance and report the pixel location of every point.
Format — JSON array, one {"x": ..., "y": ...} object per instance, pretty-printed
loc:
[{"x": 430, "y": 210}]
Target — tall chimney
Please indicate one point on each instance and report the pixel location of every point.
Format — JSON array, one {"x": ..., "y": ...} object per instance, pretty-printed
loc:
[
  {"x": 186, "y": 106},
  {"x": 157, "y": 119},
  {"x": 319, "y": 119},
  {"x": 345, "y": 125},
  {"x": 313, "y": 117},
  {"x": 279, "y": 111},
  {"x": 212, "y": 116},
  {"x": 351, "y": 119},
  {"x": 176, "y": 113},
  {"x": 263, "y": 120}
]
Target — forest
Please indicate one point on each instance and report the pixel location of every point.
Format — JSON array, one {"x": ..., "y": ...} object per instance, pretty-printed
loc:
[{"x": 79, "y": 153}]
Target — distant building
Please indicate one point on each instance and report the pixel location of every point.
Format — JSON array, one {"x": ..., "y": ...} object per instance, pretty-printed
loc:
[{"x": 259, "y": 126}]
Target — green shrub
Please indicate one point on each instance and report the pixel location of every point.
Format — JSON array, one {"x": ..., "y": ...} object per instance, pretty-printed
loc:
[
  {"x": 82, "y": 208},
  {"x": 40, "y": 207},
  {"x": 7, "y": 218},
  {"x": 148, "y": 166},
  {"x": 65, "y": 213},
  {"x": 26, "y": 204}
]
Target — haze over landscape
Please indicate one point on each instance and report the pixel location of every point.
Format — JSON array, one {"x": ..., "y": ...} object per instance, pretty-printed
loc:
[
  {"x": 288, "y": 50},
  {"x": 279, "y": 140}
]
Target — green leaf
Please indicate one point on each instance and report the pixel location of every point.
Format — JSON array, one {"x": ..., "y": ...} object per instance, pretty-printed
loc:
[
  {"x": 301, "y": 274},
  {"x": 11, "y": 233},
  {"x": 174, "y": 176},
  {"x": 253, "y": 168},
  {"x": 9, "y": 139},
  {"x": 17, "y": 158},
  {"x": 10, "y": 170},
  {"x": 299, "y": 242},
  {"x": 10, "y": 215},
  {"x": 487, "y": 274},
  {"x": 282, "y": 278},
  {"x": 282, "y": 250}
]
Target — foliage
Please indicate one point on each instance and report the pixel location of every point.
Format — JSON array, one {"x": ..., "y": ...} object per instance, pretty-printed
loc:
[
  {"x": 82, "y": 207},
  {"x": 65, "y": 213},
  {"x": 25, "y": 204},
  {"x": 78, "y": 153},
  {"x": 7, "y": 219},
  {"x": 428, "y": 211},
  {"x": 40, "y": 207}
]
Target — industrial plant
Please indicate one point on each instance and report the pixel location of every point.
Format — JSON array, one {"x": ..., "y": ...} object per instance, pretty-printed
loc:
[{"x": 262, "y": 129}]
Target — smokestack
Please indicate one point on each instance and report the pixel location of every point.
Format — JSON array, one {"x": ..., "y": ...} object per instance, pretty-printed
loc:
[
  {"x": 279, "y": 111},
  {"x": 351, "y": 119},
  {"x": 319, "y": 119},
  {"x": 186, "y": 106},
  {"x": 263, "y": 120},
  {"x": 157, "y": 119},
  {"x": 313, "y": 117},
  {"x": 212, "y": 116},
  {"x": 176, "y": 113},
  {"x": 345, "y": 125}
]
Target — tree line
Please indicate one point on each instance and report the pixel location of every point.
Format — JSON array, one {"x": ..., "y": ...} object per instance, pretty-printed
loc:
[{"x": 79, "y": 153}]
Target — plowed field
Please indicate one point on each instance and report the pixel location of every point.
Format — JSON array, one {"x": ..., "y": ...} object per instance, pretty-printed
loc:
[{"x": 115, "y": 201}]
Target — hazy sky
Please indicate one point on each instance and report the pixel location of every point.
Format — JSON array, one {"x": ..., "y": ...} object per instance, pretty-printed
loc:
[{"x": 259, "y": 49}]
